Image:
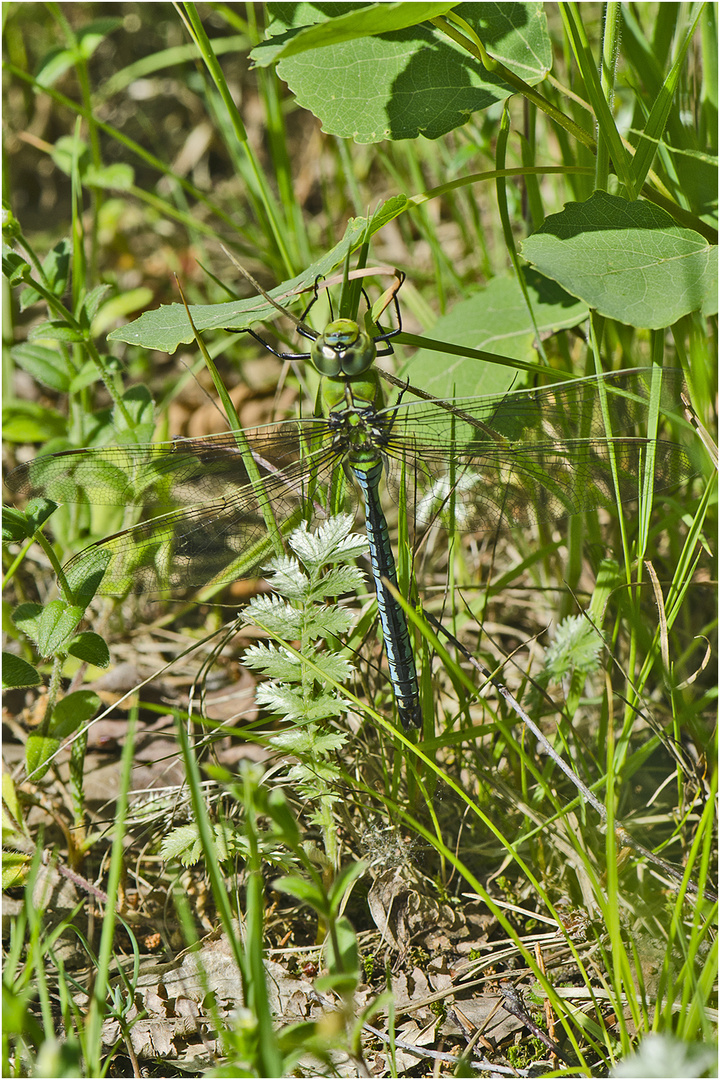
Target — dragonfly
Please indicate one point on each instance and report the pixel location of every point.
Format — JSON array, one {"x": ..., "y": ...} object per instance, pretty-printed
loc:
[{"x": 215, "y": 508}]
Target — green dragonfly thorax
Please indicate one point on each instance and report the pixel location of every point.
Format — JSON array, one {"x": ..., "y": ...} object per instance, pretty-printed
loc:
[
  {"x": 353, "y": 393},
  {"x": 343, "y": 350}
]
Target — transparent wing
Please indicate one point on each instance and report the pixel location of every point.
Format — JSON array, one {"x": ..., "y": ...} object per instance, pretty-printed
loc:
[
  {"x": 535, "y": 454},
  {"x": 165, "y": 475},
  {"x": 507, "y": 461},
  {"x": 215, "y": 520}
]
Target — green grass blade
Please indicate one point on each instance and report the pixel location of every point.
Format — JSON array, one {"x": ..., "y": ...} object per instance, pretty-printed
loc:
[
  {"x": 573, "y": 23},
  {"x": 657, "y": 120}
]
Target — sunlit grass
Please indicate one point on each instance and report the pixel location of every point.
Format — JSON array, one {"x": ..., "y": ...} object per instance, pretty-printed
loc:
[{"x": 179, "y": 149}]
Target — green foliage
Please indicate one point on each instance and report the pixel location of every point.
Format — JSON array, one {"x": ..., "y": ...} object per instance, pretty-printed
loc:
[
  {"x": 17, "y": 673},
  {"x": 625, "y": 260},
  {"x": 16, "y": 840},
  {"x": 577, "y": 645},
  {"x": 48, "y": 626},
  {"x": 416, "y": 81},
  {"x": 186, "y": 845},
  {"x": 301, "y": 683},
  {"x": 500, "y": 135},
  {"x": 90, "y": 648},
  {"x": 495, "y": 319},
  {"x": 167, "y": 327}
]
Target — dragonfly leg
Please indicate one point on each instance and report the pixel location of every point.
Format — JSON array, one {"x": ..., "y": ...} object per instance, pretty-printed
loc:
[
  {"x": 390, "y": 333},
  {"x": 304, "y": 331},
  {"x": 280, "y": 355}
]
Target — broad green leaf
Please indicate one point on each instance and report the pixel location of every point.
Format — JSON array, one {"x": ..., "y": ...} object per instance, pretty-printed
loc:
[
  {"x": 84, "y": 581},
  {"x": 86, "y": 376},
  {"x": 139, "y": 405},
  {"x": 118, "y": 307},
  {"x": 364, "y": 21},
  {"x": 14, "y": 525},
  {"x": 629, "y": 260},
  {"x": 10, "y": 801},
  {"x": 339, "y": 983},
  {"x": 55, "y": 330},
  {"x": 38, "y": 510},
  {"x": 56, "y": 272},
  {"x": 73, "y": 711},
  {"x": 14, "y": 869},
  {"x": 346, "y": 961},
  {"x": 411, "y": 81},
  {"x": 69, "y": 151},
  {"x": 27, "y": 617},
  {"x": 57, "y": 61},
  {"x": 90, "y": 36},
  {"x": 117, "y": 177},
  {"x": 167, "y": 327},
  {"x": 91, "y": 648},
  {"x": 21, "y": 524},
  {"x": 47, "y": 366},
  {"x": 28, "y": 422},
  {"x": 90, "y": 303},
  {"x": 53, "y": 66},
  {"x": 302, "y": 889},
  {"x": 48, "y": 625},
  {"x": 15, "y": 268},
  {"x": 277, "y": 808},
  {"x": 17, "y": 673},
  {"x": 39, "y": 749},
  {"x": 344, "y": 880},
  {"x": 495, "y": 319}
]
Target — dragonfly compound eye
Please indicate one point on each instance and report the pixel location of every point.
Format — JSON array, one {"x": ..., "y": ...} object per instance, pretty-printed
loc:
[{"x": 343, "y": 349}]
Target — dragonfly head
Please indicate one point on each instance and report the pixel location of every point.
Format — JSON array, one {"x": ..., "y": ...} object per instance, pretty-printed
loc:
[{"x": 343, "y": 349}]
